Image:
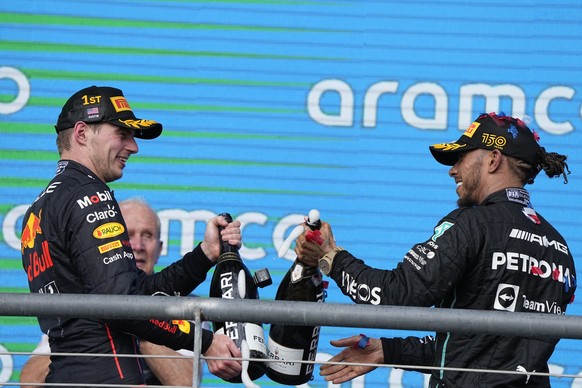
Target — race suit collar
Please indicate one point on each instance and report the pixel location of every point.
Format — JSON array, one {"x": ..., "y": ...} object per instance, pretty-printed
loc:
[
  {"x": 67, "y": 164},
  {"x": 511, "y": 194}
]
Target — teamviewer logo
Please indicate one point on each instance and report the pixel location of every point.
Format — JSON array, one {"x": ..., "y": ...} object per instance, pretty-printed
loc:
[{"x": 506, "y": 297}]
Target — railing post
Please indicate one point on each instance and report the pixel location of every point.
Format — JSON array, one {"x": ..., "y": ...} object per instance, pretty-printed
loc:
[{"x": 197, "y": 347}]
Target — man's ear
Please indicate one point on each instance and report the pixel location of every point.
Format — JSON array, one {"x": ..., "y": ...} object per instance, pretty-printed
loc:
[
  {"x": 80, "y": 132},
  {"x": 495, "y": 159}
]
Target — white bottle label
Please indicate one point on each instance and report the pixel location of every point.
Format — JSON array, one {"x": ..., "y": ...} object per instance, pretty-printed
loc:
[
  {"x": 254, "y": 334},
  {"x": 283, "y": 353},
  {"x": 255, "y": 337}
]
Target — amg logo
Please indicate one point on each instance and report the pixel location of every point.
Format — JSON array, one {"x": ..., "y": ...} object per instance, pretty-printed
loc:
[{"x": 542, "y": 240}]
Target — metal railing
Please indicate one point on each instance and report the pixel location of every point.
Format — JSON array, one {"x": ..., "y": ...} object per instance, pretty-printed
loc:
[{"x": 290, "y": 313}]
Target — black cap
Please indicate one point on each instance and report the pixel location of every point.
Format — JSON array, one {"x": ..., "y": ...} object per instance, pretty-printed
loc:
[
  {"x": 102, "y": 103},
  {"x": 492, "y": 131}
]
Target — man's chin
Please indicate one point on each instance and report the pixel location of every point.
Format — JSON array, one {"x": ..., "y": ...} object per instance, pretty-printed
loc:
[
  {"x": 113, "y": 176},
  {"x": 465, "y": 202}
]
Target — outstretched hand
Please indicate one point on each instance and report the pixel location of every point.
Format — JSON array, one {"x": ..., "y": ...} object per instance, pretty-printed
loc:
[{"x": 339, "y": 372}]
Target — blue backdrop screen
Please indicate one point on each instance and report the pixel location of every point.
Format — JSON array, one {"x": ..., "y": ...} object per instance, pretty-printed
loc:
[{"x": 272, "y": 108}]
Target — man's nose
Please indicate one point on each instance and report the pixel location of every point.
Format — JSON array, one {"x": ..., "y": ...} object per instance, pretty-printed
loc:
[
  {"x": 136, "y": 243},
  {"x": 132, "y": 146}
]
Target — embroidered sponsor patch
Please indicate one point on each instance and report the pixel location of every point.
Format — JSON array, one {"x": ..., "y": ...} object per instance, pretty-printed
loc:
[
  {"x": 506, "y": 297},
  {"x": 120, "y": 104},
  {"x": 30, "y": 231},
  {"x": 183, "y": 325},
  {"x": 531, "y": 214},
  {"x": 472, "y": 128},
  {"x": 441, "y": 229},
  {"x": 109, "y": 246},
  {"x": 110, "y": 229}
]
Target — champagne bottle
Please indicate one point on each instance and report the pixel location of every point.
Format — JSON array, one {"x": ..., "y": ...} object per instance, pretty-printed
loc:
[
  {"x": 289, "y": 342},
  {"x": 233, "y": 280}
]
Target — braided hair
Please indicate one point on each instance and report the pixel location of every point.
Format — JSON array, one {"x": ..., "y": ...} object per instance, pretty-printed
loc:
[{"x": 552, "y": 163}]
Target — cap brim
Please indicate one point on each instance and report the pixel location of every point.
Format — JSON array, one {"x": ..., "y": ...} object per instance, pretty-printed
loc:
[
  {"x": 143, "y": 129},
  {"x": 448, "y": 153}
]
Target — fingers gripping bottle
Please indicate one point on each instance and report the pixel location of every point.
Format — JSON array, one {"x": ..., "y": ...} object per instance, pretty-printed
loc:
[
  {"x": 233, "y": 280},
  {"x": 287, "y": 342}
]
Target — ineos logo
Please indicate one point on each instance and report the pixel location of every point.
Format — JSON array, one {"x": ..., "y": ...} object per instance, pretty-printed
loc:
[{"x": 361, "y": 292}]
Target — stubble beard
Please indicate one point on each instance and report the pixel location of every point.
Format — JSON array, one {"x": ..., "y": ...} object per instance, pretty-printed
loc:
[{"x": 467, "y": 196}]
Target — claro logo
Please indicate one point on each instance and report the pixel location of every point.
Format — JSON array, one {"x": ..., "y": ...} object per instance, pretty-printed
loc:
[
  {"x": 101, "y": 215},
  {"x": 360, "y": 292},
  {"x": 110, "y": 229}
]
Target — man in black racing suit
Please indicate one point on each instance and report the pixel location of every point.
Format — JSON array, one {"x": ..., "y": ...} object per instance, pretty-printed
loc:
[
  {"x": 493, "y": 253},
  {"x": 75, "y": 240}
]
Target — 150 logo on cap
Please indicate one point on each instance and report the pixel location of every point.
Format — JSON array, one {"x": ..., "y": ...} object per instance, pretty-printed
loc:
[
  {"x": 120, "y": 104},
  {"x": 491, "y": 140}
]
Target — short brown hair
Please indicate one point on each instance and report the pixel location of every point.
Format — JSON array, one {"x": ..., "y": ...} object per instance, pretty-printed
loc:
[{"x": 64, "y": 137}]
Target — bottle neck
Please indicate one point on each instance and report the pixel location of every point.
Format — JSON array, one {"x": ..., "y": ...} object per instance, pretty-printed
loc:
[
  {"x": 306, "y": 271},
  {"x": 226, "y": 256}
]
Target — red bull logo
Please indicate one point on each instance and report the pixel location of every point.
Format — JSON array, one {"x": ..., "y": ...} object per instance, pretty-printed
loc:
[
  {"x": 38, "y": 263},
  {"x": 184, "y": 326},
  {"x": 165, "y": 326},
  {"x": 30, "y": 230}
]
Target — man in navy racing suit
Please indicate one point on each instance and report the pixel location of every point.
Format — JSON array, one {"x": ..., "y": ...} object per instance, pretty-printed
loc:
[
  {"x": 495, "y": 252},
  {"x": 75, "y": 240}
]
